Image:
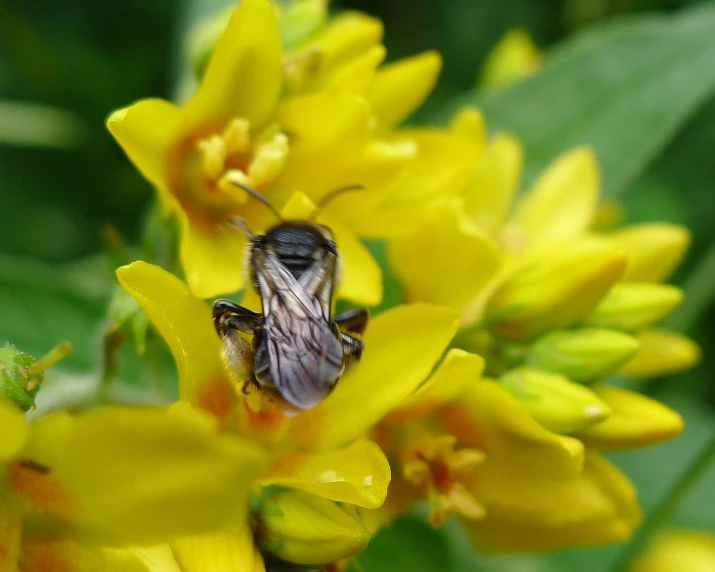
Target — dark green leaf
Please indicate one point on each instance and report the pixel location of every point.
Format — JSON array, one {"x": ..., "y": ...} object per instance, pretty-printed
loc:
[{"x": 624, "y": 87}]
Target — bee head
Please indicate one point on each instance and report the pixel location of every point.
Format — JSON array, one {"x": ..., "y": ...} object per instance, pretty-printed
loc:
[{"x": 297, "y": 244}]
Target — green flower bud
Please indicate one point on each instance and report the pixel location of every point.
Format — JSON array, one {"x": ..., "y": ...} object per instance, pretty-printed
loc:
[
  {"x": 21, "y": 375},
  {"x": 582, "y": 355},
  {"x": 631, "y": 306},
  {"x": 555, "y": 402},
  {"x": 305, "y": 529}
]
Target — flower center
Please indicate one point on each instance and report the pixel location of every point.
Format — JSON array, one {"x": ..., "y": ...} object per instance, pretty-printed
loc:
[
  {"x": 434, "y": 466},
  {"x": 218, "y": 161}
]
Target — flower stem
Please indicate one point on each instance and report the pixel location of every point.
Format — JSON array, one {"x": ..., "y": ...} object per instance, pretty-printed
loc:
[{"x": 665, "y": 509}]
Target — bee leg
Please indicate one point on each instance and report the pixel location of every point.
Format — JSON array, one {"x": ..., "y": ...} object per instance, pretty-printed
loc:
[
  {"x": 250, "y": 382},
  {"x": 353, "y": 321},
  {"x": 229, "y": 316},
  {"x": 352, "y": 349}
]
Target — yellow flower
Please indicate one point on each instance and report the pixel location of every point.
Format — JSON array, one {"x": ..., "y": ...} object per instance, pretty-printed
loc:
[
  {"x": 242, "y": 125},
  {"x": 116, "y": 475},
  {"x": 321, "y": 451},
  {"x": 679, "y": 551},
  {"x": 551, "y": 305}
]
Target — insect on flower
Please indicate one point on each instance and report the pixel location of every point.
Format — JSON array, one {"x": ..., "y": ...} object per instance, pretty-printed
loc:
[{"x": 299, "y": 350}]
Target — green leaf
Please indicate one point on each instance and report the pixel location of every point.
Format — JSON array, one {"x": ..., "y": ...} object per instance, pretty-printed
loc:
[
  {"x": 44, "y": 304},
  {"x": 625, "y": 87}
]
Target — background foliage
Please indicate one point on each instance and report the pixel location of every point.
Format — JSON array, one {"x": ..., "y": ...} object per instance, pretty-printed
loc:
[{"x": 634, "y": 78}]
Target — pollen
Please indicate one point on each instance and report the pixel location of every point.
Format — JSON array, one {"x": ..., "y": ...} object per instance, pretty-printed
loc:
[
  {"x": 368, "y": 481},
  {"x": 237, "y": 136},
  {"x": 330, "y": 477}
]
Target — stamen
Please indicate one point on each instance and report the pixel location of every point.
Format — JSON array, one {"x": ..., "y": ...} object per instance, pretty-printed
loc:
[
  {"x": 213, "y": 156},
  {"x": 237, "y": 136},
  {"x": 269, "y": 160},
  {"x": 227, "y": 186}
]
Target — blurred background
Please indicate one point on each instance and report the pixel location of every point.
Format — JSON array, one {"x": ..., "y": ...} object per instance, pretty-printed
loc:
[{"x": 65, "y": 66}]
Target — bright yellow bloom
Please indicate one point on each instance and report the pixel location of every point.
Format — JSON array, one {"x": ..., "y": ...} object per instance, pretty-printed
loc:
[
  {"x": 320, "y": 451},
  {"x": 246, "y": 124},
  {"x": 679, "y": 551},
  {"x": 115, "y": 475},
  {"x": 552, "y": 305}
]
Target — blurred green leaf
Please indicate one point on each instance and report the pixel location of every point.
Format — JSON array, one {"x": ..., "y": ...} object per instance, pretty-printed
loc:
[
  {"x": 625, "y": 87},
  {"x": 33, "y": 125},
  {"x": 44, "y": 304}
]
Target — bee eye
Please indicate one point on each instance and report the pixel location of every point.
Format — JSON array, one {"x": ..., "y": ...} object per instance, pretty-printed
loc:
[{"x": 331, "y": 247}]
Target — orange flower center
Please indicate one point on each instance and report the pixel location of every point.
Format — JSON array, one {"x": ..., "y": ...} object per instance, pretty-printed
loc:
[
  {"x": 212, "y": 163},
  {"x": 434, "y": 466}
]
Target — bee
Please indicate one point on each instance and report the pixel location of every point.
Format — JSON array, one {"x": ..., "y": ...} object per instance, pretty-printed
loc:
[{"x": 298, "y": 349}]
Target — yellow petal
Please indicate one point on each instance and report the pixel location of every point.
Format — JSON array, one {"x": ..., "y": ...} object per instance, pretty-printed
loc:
[
  {"x": 149, "y": 559},
  {"x": 402, "y": 346},
  {"x": 212, "y": 258},
  {"x": 458, "y": 370},
  {"x": 186, "y": 324},
  {"x": 442, "y": 166},
  {"x": 14, "y": 430},
  {"x": 11, "y": 529},
  {"x": 489, "y": 192},
  {"x": 447, "y": 260},
  {"x": 562, "y": 202},
  {"x": 635, "y": 421},
  {"x": 400, "y": 87},
  {"x": 654, "y": 250},
  {"x": 146, "y": 131},
  {"x": 319, "y": 121},
  {"x": 488, "y": 418},
  {"x": 597, "y": 507},
  {"x": 662, "y": 353},
  {"x": 227, "y": 551},
  {"x": 356, "y": 474},
  {"x": 469, "y": 123},
  {"x": 122, "y": 475},
  {"x": 359, "y": 74},
  {"x": 243, "y": 78},
  {"x": 361, "y": 276},
  {"x": 679, "y": 551}
]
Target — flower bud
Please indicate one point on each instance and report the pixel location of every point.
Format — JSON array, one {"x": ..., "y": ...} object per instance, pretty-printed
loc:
[
  {"x": 653, "y": 250},
  {"x": 662, "y": 353},
  {"x": 630, "y": 306},
  {"x": 582, "y": 355},
  {"x": 305, "y": 529},
  {"x": 555, "y": 402},
  {"x": 556, "y": 289},
  {"x": 21, "y": 375}
]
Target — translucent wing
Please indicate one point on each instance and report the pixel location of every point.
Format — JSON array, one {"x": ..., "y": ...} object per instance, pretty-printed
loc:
[{"x": 298, "y": 352}]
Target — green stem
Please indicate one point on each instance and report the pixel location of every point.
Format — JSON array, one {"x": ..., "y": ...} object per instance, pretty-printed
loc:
[{"x": 662, "y": 513}]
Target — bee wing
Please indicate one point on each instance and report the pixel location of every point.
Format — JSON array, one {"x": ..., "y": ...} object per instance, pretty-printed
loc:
[{"x": 305, "y": 356}]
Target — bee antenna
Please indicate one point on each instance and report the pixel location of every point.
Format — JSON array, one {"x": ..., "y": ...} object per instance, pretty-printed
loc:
[
  {"x": 258, "y": 196},
  {"x": 327, "y": 199},
  {"x": 241, "y": 224}
]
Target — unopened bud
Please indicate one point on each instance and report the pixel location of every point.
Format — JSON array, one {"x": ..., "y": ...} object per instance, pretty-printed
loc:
[
  {"x": 555, "y": 402},
  {"x": 582, "y": 355},
  {"x": 631, "y": 306},
  {"x": 662, "y": 353},
  {"x": 21, "y": 375},
  {"x": 555, "y": 290},
  {"x": 653, "y": 249},
  {"x": 305, "y": 529}
]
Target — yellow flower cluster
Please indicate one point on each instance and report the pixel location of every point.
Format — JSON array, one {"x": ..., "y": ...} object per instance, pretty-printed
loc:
[{"x": 483, "y": 395}]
